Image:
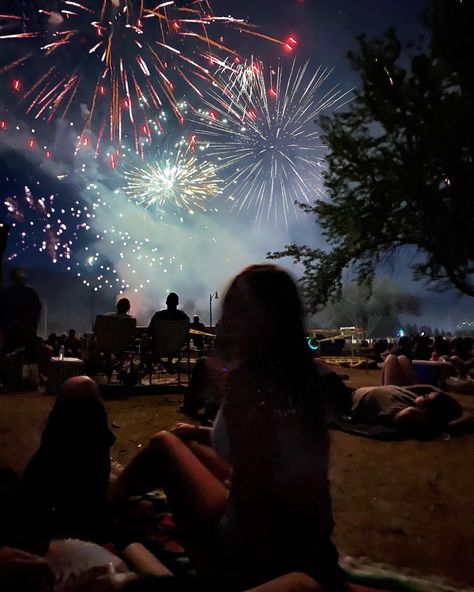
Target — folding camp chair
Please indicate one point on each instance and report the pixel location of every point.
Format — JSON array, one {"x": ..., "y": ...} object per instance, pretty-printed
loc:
[
  {"x": 169, "y": 342},
  {"x": 114, "y": 335}
]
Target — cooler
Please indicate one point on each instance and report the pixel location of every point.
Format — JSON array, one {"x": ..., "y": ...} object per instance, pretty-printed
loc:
[
  {"x": 60, "y": 370},
  {"x": 429, "y": 371}
]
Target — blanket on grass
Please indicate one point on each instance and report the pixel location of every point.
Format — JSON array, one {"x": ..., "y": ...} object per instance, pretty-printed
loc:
[
  {"x": 147, "y": 520},
  {"x": 344, "y": 423}
]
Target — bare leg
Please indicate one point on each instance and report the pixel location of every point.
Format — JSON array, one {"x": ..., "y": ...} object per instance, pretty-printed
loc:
[
  {"x": 411, "y": 377},
  {"x": 292, "y": 582},
  {"x": 299, "y": 582},
  {"x": 196, "y": 496},
  {"x": 211, "y": 460},
  {"x": 145, "y": 471},
  {"x": 392, "y": 372},
  {"x": 398, "y": 371}
]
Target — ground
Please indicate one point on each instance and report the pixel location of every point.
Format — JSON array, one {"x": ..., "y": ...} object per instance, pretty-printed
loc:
[{"x": 408, "y": 504}]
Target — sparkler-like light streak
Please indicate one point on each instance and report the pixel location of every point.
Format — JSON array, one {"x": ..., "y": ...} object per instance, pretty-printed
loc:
[
  {"x": 240, "y": 80},
  {"x": 117, "y": 61},
  {"x": 264, "y": 139},
  {"x": 178, "y": 179}
]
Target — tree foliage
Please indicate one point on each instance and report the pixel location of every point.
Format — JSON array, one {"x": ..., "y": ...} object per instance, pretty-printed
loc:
[{"x": 400, "y": 163}]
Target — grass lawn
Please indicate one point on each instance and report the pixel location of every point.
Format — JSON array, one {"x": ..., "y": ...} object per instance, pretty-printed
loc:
[{"x": 408, "y": 504}]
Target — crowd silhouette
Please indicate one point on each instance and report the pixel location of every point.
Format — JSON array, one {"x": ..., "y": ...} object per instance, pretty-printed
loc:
[{"x": 249, "y": 491}]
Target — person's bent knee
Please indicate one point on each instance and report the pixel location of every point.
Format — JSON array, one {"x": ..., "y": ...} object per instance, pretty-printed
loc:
[
  {"x": 301, "y": 582},
  {"x": 292, "y": 582},
  {"x": 163, "y": 439}
]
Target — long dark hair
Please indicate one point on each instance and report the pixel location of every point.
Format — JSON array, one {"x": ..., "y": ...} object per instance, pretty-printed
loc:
[
  {"x": 78, "y": 415},
  {"x": 262, "y": 327},
  {"x": 68, "y": 476}
]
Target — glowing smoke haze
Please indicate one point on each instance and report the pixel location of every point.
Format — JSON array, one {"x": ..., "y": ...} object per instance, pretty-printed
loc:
[{"x": 196, "y": 256}]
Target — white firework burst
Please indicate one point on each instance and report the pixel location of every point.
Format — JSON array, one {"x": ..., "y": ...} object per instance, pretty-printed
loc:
[{"x": 263, "y": 136}]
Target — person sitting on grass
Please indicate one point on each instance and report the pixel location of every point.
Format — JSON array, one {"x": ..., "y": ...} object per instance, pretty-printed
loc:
[
  {"x": 68, "y": 476},
  {"x": 251, "y": 496}
]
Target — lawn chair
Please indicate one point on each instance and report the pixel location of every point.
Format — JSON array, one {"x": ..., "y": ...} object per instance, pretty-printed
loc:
[
  {"x": 169, "y": 341},
  {"x": 114, "y": 336}
]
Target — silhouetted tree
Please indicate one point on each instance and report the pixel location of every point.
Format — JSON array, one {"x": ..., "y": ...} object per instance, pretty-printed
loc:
[{"x": 400, "y": 163}]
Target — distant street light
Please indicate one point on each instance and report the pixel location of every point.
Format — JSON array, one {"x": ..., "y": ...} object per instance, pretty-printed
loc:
[
  {"x": 211, "y": 298},
  {"x": 93, "y": 291}
]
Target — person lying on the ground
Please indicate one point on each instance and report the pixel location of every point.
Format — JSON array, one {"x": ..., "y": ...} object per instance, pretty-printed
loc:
[
  {"x": 367, "y": 364},
  {"x": 415, "y": 408},
  {"x": 463, "y": 385},
  {"x": 460, "y": 358},
  {"x": 402, "y": 403},
  {"x": 256, "y": 504}
]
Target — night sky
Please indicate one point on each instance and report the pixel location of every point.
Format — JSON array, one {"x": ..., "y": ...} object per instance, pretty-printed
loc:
[{"x": 199, "y": 254}]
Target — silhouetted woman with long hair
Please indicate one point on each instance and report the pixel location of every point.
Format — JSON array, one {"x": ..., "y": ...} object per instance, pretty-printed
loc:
[
  {"x": 256, "y": 504},
  {"x": 68, "y": 476}
]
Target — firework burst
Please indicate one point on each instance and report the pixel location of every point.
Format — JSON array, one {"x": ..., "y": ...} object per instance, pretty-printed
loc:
[
  {"x": 177, "y": 179},
  {"x": 263, "y": 137},
  {"x": 38, "y": 224},
  {"x": 113, "y": 62},
  {"x": 239, "y": 80}
]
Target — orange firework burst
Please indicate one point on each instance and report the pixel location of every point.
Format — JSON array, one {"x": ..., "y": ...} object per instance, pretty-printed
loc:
[{"x": 116, "y": 63}]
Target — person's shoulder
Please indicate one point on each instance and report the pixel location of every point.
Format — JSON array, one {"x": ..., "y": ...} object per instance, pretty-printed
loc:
[
  {"x": 157, "y": 315},
  {"x": 175, "y": 315},
  {"x": 30, "y": 289}
]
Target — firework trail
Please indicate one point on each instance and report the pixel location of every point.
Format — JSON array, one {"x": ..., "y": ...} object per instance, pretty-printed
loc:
[
  {"x": 239, "y": 80},
  {"x": 113, "y": 62},
  {"x": 263, "y": 137}
]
